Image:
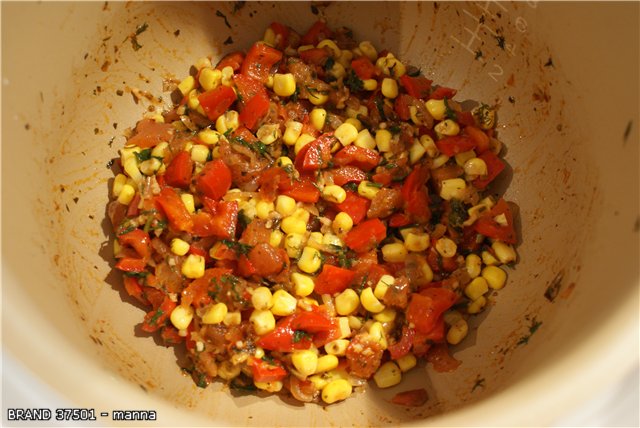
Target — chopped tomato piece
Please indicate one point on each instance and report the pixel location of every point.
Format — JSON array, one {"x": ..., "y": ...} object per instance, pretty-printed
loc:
[
  {"x": 495, "y": 165},
  {"x": 360, "y": 157},
  {"x": 487, "y": 224},
  {"x": 426, "y": 307},
  {"x": 217, "y": 101},
  {"x": 150, "y": 133},
  {"x": 366, "y": 235},
  {"x": 347, "y": 174},
  {"x": 173, "y": 207},
  {"x": 453, "y": 145},
  {"x": 364, "y": 68},
  {"x": 214, "y": 180},
  {"x": 303, "y": 191},
  {"x": 442, "y": 93},
  {"x": 417, "y": 87},
  {"x": 414, "y": 193},
  {"x": 333, "y": 279},
  {"x": 355, "y": 205},
  {"x": 317, "y": 32},
  {"x": 179, "y": 170},
  {"x": 233, "y": 60},
  {"x": 266, "y": 370},
  {"x": 259, "y": 61},
  {"x": 412, "y": 398}
]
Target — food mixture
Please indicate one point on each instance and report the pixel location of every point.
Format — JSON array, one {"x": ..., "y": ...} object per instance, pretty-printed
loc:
[{"x": 310, "y": 215}]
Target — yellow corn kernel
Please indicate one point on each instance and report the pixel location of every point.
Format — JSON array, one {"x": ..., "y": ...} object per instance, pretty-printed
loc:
[
  {"x": 383, "y": 285},
  {"x": 429, "y": 145},
  {"x": 227, "y": 370},
  {"x": 446, "y": 247},
  {"x": 210, "y": 78},
  {"x": 263, "y": 321},
  {"x": 407, "y": 362},
  {"x": 416, "y": 241},
  {"x": 215, "y": 314},
  {"x": 504, "y": 252},
  {"x": 342, "y": 223},
  {"x": 346, "y": 133},
  {"x": 318, "y": 98},
  {"x": 436, "y": 109},
  {"x": 189, "y": 202},
  {"x": 463, "y": 157},
  {"x": 447, "y": 128},
  {"x": 389, "y": 88},
  {"x": 310, "y": 260},
  {"x": 370, "y": 302},
  {"x": 416, "y": 151},
  {"x": 368, "y": 50},
  {"x": 383, "y": 140},
  {"x": 473, "y": 265},
  {"x": 337, "y": 347},
  {"x": 285, "y": 205},
  {"x": 199, "y": 153},
  {"x": 336, "y": 390},
  {"x": 292, "y": 131},
  {"x": 118, "y": 182},
  {"x": 477, "y": 305},
  {"x": 181, "y": 316},
  {"x": 376, "y": 333},
  {"x": 368, "y": 189},
  {"x": 495, "y": 276},
  {"x": 326, "y": 363},
  {"x": 187, "y": 85},
  {"x": 387, "y": 315},
  {"x": 369, "y": 84},
  {"x": 193, "y": 266},
  {"x": 317, "y": 117},
  {"x": 453, "y": 188},
  {"x": 305, "y": 362},
  {"x": 284, "y": 85},
  {"x": 275, "y": 238},
  {"x": 232, "y": 318},
  {"x": 365, "y": 139},
  {"x": 283, "y": 161},
  {"x": 394, "y": 253},
  {"x": 268, "y": 134},
  {"x": 293, "y": 244},
  {"x": 334, "y": 193},
  {"x": 388, "y": 375},
  {"x": 262, "y": 299},
  {"x": 328, "y": 43},
  {"x": 347, "y": 302},
  {"x": 302, "y": 141},
  {"x": 439, "y": 161},
  {"x": 283, "y": 303},
  {"x": 273, "y": 386},
  {"x": 179, "y": 247},
  {"x": 292, "y": 224},
  {"x": 131, "y": 168},
  {"x": 475, "y": 167},
  {"x": 303, "y": 284},
  {"x": 228, "y": 122},
  {"x": 476, "y": 288},
  {"x": 457, "y": 332},
  {"x": 489, "y": 259}
]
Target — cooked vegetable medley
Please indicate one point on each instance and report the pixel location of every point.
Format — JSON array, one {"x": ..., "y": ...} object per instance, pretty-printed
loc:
[{"x": 311, "y": 215}]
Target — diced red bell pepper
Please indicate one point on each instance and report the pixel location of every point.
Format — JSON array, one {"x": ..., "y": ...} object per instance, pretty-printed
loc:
[
  {"x": 156, "y": 318},
  {"x": 455, "y": 144},
  {"x": 360, "y": 157},
  {"x": 366, "y": 235},
  {"x": 317, "y": 32},
  {"x": 282, "y": 34},
  {"x": 442, "y": 93},
  {"x": 316, "y": 56},
  {"x": 233, "y": 60},
  {"x": 214, "y": 180},
  {"x": 267, "y": 371},
  {"x": 364, "y": 68},
  {"x": 487, "y": 225},
  {"x": 179, "y": 170},
  {"x": 347, "y": 174},
  {"x": 303, "y": 190},
  {"x": 495, "y": 165},
  {"x": 217, "y": 101},
  {"x": 139, "y": 240},
  {"x": 175, "y": 210},
  {"x": 355, "y": 205},
  {"x": 414, "y": 193},
  {"x": 259, "y": 61},
  {"x": 131, "y": 264},
  {"x": 425, "y": 307},
  {"x": 315, "y": 155},
  {"x": 333, "y": 279},
  {"x": 417, "y": 87}
]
